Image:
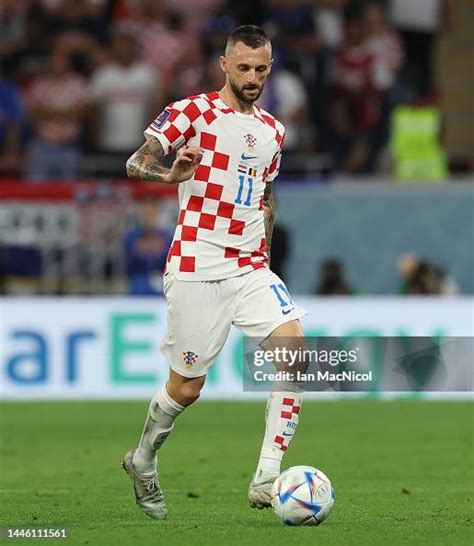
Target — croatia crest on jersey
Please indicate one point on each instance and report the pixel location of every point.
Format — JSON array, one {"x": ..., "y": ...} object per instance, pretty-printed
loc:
[
  {"x": 250, "y": 141},
  {"x": 190, "y": 359}
]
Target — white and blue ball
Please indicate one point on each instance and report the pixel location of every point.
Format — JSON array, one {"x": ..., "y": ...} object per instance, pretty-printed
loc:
[{"x": 302, "y": 495}]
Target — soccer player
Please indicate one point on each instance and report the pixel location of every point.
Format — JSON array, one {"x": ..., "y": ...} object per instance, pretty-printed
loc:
[{"x": 217, "y": 274}]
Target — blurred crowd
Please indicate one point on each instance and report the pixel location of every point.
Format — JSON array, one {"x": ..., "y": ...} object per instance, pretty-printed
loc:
[
  {"x": 417, "y": 277},
  {"x": 80, "y": 80}
]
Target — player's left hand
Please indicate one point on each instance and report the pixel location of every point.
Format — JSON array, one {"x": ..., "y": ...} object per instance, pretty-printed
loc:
[{"x": 185, "y": 165}]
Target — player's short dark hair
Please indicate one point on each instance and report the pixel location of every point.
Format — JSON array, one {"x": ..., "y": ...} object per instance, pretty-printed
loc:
[{"x": 251, "y": 35}]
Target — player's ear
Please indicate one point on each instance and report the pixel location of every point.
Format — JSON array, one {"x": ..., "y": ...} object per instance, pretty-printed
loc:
[
  {"x": 270, "y": 64},
  {"x": 223, "y": 63}
]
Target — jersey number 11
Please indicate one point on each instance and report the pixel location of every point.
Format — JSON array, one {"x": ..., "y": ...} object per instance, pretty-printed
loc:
[{"x": 238, "y": 199}]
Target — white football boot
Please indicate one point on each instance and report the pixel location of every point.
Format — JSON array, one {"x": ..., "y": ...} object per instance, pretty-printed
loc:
[
  {"x": 260, "y": 493},
  {"x": 148, "y": 494}
]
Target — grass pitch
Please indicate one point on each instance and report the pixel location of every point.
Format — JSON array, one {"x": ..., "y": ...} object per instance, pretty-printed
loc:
[{"x": 402, "y": 471}]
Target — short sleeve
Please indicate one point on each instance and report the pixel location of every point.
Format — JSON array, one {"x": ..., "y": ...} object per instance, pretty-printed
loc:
[
  {"x": 274, "y": 168},
  {"x": 174, "y": 126}
]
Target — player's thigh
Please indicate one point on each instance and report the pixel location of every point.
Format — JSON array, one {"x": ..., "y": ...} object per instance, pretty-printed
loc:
[
  {"x": 289, "y": 336},
  {"x": 291, "y": 328},
  {"x": 199, "y": 316},
  {"x": 265, "y": 306}
]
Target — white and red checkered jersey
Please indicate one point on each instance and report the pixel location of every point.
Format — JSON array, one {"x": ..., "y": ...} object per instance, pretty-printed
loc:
[{"x": 220, "y": 231}]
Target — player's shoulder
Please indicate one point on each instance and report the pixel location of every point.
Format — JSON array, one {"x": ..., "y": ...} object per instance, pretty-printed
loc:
[
  {"x": 202, "y": 102},
  {"x": 270, "y": 120}
]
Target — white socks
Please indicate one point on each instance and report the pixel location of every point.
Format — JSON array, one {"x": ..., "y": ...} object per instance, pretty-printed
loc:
[
  {"x": 281, "y": 419},
  {"x": 162, "y": 412}
]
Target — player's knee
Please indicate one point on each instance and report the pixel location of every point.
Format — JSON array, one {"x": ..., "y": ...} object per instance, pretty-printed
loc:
[
  {"x": 189, "y": 393},
  {"x": 185, "y": 392}
]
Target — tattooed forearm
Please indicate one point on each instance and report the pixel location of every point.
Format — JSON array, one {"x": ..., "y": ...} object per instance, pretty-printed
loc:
[
  {"x": 145, "y": 164},
  {"x": 268, "y": 215}
]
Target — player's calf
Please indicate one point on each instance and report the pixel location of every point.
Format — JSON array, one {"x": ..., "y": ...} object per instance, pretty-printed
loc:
[
  {"x": 281, "y": 417},
  {"x": 140, "y": 464},
  {"x": 178, "y": 393}
]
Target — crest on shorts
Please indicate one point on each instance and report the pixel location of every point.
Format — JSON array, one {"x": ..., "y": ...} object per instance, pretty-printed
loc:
[
  {"x": 190, "y": 359},
  {"x": 250, "y": 141}
]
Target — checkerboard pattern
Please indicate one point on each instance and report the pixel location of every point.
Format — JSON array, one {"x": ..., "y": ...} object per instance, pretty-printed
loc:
[
  {"x": 207, "y": 209},
  {"x": 192, "y": 220},
  {"x": 292, "y": 409},
  {"x": 271, "y": 173},
  {"x": 280, "y": 442},
  {"x": 257, "y": 259},
  {"x": 183, "y": 115}
]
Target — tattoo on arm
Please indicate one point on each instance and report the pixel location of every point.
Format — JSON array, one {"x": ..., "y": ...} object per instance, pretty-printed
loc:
[
  {"x": 268, "y": 215},
  {"x": 145, "y": 164}
]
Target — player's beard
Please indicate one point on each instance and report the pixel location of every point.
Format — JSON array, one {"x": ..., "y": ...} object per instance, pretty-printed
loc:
[{"x": 239, "y": 93}]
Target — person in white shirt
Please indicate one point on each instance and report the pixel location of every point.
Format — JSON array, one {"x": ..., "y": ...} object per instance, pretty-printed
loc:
[
  {"x": 285, "y": 97},
  {"x": 125, "y": 91},
  {"x": 385, "y": 46},
  {"x": 419, "y": 22}
]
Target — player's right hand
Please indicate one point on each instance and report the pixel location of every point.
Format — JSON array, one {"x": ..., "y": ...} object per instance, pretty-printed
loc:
[{"x": 185, "y": 165}]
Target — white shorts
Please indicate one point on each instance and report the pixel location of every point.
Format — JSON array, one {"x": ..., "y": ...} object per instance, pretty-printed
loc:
[{"x": 200, "y": 314}]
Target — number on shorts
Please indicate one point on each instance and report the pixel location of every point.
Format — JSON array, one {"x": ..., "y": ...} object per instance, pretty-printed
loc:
[{"x": 283, "y": 297}]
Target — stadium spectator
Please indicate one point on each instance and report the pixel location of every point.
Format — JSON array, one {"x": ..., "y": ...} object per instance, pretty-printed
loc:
[
  {"x": 332, "y": 281},
  {"x": 167, "y": 47},
  {"x": 77, "y": 26},
  {"x": 194, "y": 13},
  {"x": 146, "y": 247},
  {"x": 13, "y": 15},
  {"x": 329, "y": 18},
  {"x": 416, "y": 142},
  {"x": 354, "y": 109},
  {"x": 421, "y": 277},
  {"x": 24, "y": 36},
  {"x": 291, "y": 26},
  {"x": 213, "y": 77},
  {"x": 385, "y": 46},
  {"x": 11, "y": 124},
  {"x": 419, "y": 23},
  {"x": 215, "y": 32},
  {"x": 284, "y": 96},
  {"x": 125, "y": 93},
  {"x": 57, "y": 102}
]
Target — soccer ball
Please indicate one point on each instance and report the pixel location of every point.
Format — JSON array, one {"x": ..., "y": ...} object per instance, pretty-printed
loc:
[{"x": 302, "y": 495}]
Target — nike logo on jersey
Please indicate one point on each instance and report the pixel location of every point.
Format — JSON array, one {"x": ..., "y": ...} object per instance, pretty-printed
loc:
[
  {"x": 247, "y": 157},
  {"x": 288, "y": 433},
  {"x": 285, "y": 312}
]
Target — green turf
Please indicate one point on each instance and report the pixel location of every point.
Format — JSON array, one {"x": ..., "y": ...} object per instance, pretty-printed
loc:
[{"x": 60, "y": 466}]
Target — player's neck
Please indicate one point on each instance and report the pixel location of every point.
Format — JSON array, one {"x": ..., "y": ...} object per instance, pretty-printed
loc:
[{"x": 229, "y": 99}]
